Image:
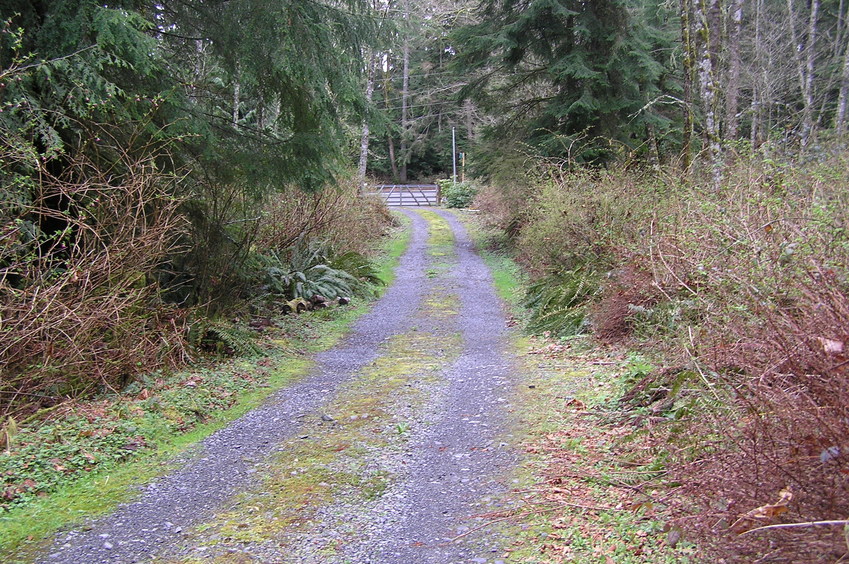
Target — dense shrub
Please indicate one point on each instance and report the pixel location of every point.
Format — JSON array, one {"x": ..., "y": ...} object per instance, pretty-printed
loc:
[
  {"x": 228, "y": 230},
  {"x": 506, "y": 200},
  {"x": 587, "y": 217},
  {"x": 763, "y": 262},
  {"x": 339, "y": 216},
  {"x": 457, "y": 194},
  {"x": 101, "y": 267},
  {"x": 79, "y": 305},
  {"x": 307, "y": 269},
  {"x": 558, "y": 302},
  {"x": 744, "y": 289}
]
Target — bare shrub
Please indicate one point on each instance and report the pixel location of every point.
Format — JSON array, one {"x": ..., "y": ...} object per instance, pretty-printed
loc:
[
  {"x": 764, "y": 263},
  {"x": 626, "y": 295},
  {"x": 78, "y": 307},
  {"x": 338, "y": 216}
]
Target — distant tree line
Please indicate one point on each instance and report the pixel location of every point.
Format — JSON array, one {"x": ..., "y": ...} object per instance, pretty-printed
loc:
[{"x": 593, "y": 81}]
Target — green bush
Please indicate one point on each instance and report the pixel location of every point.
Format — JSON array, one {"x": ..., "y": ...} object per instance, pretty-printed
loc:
[
  {"x": 457, "y": 194},
  {"x": 587, "y": 217}
]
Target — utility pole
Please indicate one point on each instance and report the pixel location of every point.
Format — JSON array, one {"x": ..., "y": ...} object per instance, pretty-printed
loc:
[{"x": 454, "y": 154}]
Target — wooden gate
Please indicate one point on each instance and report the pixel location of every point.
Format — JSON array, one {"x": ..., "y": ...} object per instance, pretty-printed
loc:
[{"x": 408, "y": 194}]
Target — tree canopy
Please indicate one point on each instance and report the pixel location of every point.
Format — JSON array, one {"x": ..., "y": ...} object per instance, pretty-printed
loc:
[{"x": 264, "y": 87}]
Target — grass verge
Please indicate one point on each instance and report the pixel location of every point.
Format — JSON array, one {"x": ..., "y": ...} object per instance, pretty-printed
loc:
[{"x": 589, "y": 488}]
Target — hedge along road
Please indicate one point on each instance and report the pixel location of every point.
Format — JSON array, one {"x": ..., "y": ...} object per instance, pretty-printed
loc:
[{"x": 393, "y": 450}]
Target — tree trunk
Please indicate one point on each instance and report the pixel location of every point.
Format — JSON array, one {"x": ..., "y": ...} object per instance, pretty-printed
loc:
[
  {"x": 805, "y": 66},
  {"x": 733, "y": 84},
  {"x": 840, "y": 117},
  {"x": 810, "y": 61},
  {"x": 364, "y": 138},
  {"x": 237, "y": 91},
  {"x": 653, "y": 149},
  {"x": 686, "y": 39},
  {"x": 387, "y": 83},
  {"x": 392, "y": 158},
  {"x": 708, "y": 88},
  {"x": 405, "y": 106},
  {"x": 468, "y": 110},
  {"x": 759, "y": 82}
]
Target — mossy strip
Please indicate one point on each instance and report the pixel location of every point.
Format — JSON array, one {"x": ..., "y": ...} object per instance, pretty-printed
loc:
[{"x": 335, "y": 454}]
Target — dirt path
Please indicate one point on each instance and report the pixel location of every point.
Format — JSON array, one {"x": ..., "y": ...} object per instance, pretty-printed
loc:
[{"x": 391, "y": 451}]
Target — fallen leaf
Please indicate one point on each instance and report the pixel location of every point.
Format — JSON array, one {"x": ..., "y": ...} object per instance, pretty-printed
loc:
[
  {"x": 764, "y": 513},
  {"x": 576, "y": 404}
]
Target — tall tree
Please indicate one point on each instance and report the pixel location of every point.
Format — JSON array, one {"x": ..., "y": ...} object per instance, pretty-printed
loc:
[
  {"x": 805, "y": 63},
  {"x": 688, "y": 59},
  {"x": 555, "y": 68},
  {"x": 249, "y": 96},
  {"x": 371, "y": 77},
  {"x": 706, "y": 26},
  {"x": 419, "y": 92},
  {"x": 732, "y": 90}
]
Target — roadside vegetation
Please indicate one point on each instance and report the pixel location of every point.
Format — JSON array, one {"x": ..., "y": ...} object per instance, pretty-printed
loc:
[
  {"x": 733, "y": 404},
  {"x": 176, "y": 187},
  {"x": 588, "y": 488},
  {"x": 80, "y": 457}
]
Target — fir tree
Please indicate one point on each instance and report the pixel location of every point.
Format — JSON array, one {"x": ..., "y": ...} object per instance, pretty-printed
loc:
[{"x": 559, "y": 70}]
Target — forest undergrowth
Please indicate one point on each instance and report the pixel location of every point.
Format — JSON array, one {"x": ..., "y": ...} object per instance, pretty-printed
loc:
[
  {"x": 736, "y": 300},
  {"x": 107, "y": 273}
]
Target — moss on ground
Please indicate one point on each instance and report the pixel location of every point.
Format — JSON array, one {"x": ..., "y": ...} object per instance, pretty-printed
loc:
[{"x": 336, "y": 454}]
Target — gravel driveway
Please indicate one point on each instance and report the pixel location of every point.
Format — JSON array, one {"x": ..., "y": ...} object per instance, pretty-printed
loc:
[{"x": 429, "y": 362}]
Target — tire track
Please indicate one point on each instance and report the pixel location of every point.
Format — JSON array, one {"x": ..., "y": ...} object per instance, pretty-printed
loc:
[{"x": 443, "y": 465}]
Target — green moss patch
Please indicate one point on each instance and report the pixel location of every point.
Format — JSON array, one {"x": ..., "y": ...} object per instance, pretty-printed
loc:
[
  {"x": 336, "y": 453},
  {"x": 440, "y": 235}
]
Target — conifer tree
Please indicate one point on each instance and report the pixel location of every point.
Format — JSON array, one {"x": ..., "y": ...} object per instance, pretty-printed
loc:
[{"x": 557, "y": 68}]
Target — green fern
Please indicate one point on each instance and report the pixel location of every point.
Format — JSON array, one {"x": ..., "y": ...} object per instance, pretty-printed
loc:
[
  {"x": 558, "y": 302},
  {"x": 361, "y": 268},
  {"x": 358, "y": 266},
  {"x": 223, "y": 339},
  {"x": 309, "y": 270}
]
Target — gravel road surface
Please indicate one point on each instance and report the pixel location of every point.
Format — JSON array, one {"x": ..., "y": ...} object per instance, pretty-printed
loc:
[{"x": 452, "y": 468}]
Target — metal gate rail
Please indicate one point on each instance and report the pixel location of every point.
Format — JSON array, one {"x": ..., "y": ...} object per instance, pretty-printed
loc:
[{"x": 408, "y": 194}]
